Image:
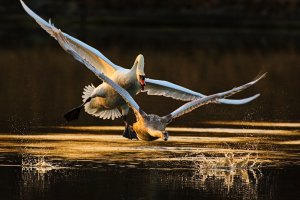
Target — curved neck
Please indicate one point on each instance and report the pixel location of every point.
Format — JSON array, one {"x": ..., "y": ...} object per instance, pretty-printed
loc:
[
  {"x": 133, "y": 70},
  {"x": 138, "y": 66}
]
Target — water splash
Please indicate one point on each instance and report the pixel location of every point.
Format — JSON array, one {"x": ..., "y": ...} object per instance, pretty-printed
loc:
[
  {"x": 227, "y": 168},
  {"x": 38, "y": 164},
  {"x": 229, "y": 161}
]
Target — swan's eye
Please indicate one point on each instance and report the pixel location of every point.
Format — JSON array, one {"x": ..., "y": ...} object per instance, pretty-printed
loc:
[
  {"x": 142, "y": 77},
  {"x": 142, "y": 81}
]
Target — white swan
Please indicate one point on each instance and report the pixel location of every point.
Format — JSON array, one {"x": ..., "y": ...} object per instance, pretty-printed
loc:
[
  {"x": 103, "y": 101},
  {"x": 150, "y": 126}
]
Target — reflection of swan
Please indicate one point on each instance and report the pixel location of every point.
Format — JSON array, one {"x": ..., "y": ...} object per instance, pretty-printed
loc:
[
  {"x": 149, "y": 126},
  {"x": 103, "y": 101}
]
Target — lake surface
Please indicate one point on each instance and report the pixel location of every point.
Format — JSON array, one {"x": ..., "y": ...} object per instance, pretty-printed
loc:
[
  {"x": 250, "y": 151},
  {"x": 196, "y": 163}
]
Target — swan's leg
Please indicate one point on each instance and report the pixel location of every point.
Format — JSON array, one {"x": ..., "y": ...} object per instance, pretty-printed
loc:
[
  {"x": 132, "y": 133},
  {"x": 74, "y": 113},
  {"x": 128, "y": 132}
]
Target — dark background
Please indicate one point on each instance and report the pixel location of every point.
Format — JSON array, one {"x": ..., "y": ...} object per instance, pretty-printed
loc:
[{"x": 207, "y": 46}]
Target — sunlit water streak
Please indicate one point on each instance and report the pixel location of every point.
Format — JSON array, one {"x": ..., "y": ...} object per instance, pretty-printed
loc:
[
  {"x": 255, "y": 124},
  {"x": 103, "y": 145},
  {"x": 265, "y": 131}
]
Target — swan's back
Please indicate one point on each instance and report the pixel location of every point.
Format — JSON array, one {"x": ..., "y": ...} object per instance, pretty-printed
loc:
[{"x": 155, "y": 122}]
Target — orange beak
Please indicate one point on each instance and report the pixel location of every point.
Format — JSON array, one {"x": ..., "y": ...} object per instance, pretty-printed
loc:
[{"x": 142, "y": 82}]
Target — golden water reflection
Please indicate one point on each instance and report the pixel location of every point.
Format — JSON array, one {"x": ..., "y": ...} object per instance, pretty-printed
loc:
[
  {"x": 255, "y": 124},
  {"x": 106, "y": 144}
]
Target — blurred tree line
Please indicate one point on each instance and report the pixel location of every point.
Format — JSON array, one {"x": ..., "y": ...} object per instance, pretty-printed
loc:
[
  {"x": 255, "y": 14},
  {"x": 216, "y": 9},
  {"x": 277, "y": 8},
  {"x": 258, "y": 14}
]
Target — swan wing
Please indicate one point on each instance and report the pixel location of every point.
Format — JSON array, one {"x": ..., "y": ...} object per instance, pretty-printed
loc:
[
  {"x": 93, "y": 56},
  {"x": 188, "y": 107},
  {"x": 168, "y": 89}
]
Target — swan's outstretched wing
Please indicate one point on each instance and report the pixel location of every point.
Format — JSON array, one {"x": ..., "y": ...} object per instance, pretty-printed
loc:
[
  {"x": 188, "y": 107},
  {"x": 167, "y": 89},
  {"x": 93, "y": 56}
]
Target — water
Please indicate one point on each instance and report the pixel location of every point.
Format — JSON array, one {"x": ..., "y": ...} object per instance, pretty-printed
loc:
[
  {"x": 96, "y": 162},
  {"x": 216, "y": 152}
]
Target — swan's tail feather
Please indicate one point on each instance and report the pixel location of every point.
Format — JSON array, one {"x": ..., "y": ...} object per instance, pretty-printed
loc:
[
  {"x": 87, "y": 92},
  {"x": 73, "y": 114},
  {"x": 94, "y": 108},
  {"x": 104, "y": 114}
]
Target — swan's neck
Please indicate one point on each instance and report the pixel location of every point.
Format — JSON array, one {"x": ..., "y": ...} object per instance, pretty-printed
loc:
[
  {"x": 133, "y": 72},
  {"x": 133, "y": 75},
  {"x": 138, "y": 66}
]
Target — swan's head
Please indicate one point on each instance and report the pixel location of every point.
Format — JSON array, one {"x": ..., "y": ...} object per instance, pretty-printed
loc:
[
  {"x": 139, "y": 64},
  {"x": 156, "y": 127}
]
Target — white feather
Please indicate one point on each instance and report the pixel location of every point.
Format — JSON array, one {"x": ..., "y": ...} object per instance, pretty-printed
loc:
[
  {"x": 87, "y": 92},
  {"x": 188, "y": 107},
  {"x": 167, "y": 89},
  {"x": 103, "y": 114}
]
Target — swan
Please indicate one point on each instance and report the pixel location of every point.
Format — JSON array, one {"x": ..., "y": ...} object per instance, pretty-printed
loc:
[
  {"x": 103, "y": 101},
  {"x": 150, "y": 127}
]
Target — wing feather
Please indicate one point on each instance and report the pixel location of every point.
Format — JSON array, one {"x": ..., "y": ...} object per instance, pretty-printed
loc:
[
  {"x": 188, "y": 107},
  {"x": 168, "y": 89}
]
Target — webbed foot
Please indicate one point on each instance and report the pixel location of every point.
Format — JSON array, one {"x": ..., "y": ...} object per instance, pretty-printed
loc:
[{"x": 129, "y": 133}]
